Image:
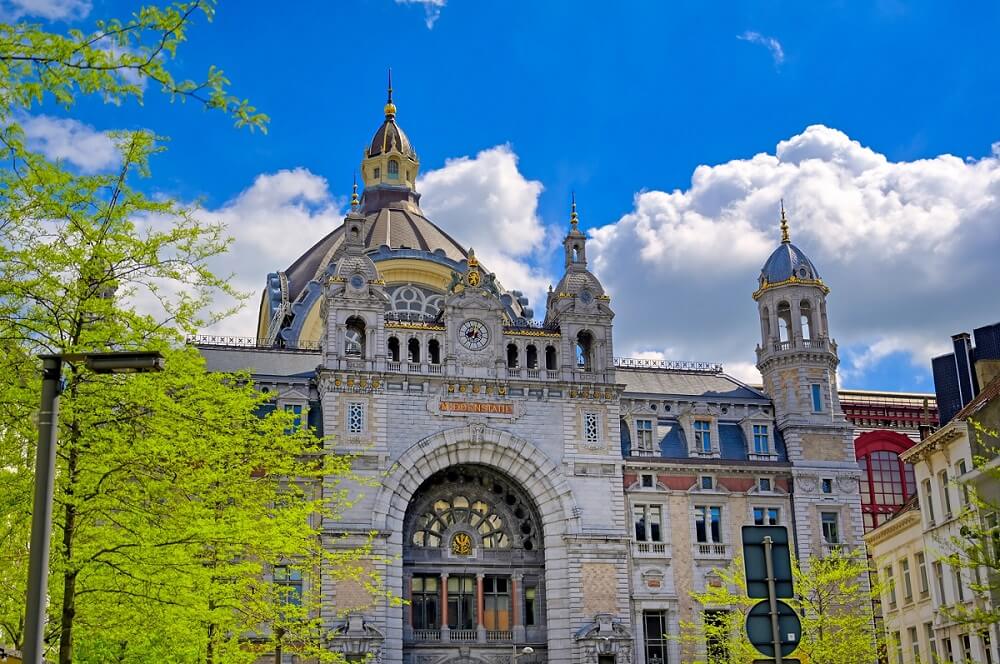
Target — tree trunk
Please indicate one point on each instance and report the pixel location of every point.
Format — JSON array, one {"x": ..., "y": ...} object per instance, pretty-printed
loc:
[{"x": 69, "y": 576}]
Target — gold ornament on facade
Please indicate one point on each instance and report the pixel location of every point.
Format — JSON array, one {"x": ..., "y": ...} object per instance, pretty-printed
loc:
[
  {"x": 451, "y": 389},
  {"x": 461, "y": 544},
  {"x": 475, "y": 389}
]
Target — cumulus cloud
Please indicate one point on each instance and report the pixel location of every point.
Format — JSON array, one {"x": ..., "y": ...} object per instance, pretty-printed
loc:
[
  {"x": 485, "y": 203},
  {"x": 770, "y": 43},
  {"x": 71, "y": 141},
  {"x": 907, "y": 248},
  {"x": 432, "y": 9},
  {"x": 52, "y": 10}
]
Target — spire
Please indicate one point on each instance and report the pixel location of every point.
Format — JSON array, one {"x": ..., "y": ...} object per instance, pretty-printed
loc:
[
  {"x": 574, "y": 220},
  {"x": 354, "y": 194},
  {"x": 784, "y": 224},
  {"x": 390, "y": 108}
]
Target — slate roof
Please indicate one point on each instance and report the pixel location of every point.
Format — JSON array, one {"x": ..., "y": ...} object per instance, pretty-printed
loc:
[
  {"x": 785, "y": 262},
  {"x": 685, "y": 383}
]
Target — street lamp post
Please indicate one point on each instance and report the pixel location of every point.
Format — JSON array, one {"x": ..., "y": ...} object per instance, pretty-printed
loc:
[
  {"x": 45, "y": 467},
  {"x": 526, "y": 650}
]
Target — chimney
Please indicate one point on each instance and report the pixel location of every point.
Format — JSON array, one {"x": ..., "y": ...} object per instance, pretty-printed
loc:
[{"x": 967, "y": 388}]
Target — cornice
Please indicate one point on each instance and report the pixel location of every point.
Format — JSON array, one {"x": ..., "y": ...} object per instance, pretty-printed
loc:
[{"x": 946, "y": 434}]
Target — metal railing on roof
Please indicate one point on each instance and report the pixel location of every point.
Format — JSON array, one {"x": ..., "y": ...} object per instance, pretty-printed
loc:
[
  {"x": 672, "y": 365},
  {"x": 224, "y": 341}
]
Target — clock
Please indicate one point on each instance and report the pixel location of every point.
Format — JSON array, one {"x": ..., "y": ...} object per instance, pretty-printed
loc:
[
  {"x": 357, "y": 281},
  {"x": 473, "y": 334}
]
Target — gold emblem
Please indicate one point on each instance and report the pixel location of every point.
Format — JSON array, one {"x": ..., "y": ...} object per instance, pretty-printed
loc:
[
  {"x": 474, "y": 277},
  {"x": 461, "y": 544}
]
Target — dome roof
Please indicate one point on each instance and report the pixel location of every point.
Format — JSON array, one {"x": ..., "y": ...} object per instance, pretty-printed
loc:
[
  {"x": 785, "y": 262},
  {"x": 390, "y": 137},
  {"x": 400, "y": 226}
]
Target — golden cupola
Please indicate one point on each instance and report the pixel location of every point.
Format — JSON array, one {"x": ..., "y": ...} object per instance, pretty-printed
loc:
[{"x": 390, "y": 162}]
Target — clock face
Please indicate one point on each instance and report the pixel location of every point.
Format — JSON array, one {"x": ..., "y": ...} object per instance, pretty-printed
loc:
[
  {"x": 473, "y": 334},
  {"x": 357, "y": 282}
]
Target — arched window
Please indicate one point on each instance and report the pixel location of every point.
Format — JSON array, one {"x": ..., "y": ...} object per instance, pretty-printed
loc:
[
  {"x": 434, "y": 351},
  {"x": 531, "y": 357},
  {"x": 413, "y": 351},
  {"x": 393, "y": 169},
  {"x": 886, "y": 482},
  {"x": 354, "y": 337},
  {"x": 766, "y": 324},
  {"x": 550, "y": 358},
  {"x": 512, "y": 356},
  {"x": 576, "y": 253},
  {"x": 393, "y": 349},
  {"x": 805, "y": 313},
  {"x": 584, "y": 344},
  {"x": 784, "y": 322}
]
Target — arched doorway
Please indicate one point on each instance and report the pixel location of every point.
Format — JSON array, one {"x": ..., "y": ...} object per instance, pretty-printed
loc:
[{"x": 473, "y": 565}]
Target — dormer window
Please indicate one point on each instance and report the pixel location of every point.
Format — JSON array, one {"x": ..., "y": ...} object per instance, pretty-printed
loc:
[
  {"x": 377, "y": 173},
  {"x": 703, "y": 436},
  {"x": 761, "y": 441},
  {"x": 393, "y": 169}
]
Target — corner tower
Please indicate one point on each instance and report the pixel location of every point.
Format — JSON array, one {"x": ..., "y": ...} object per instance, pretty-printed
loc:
[{"x": 798, "y": 361}]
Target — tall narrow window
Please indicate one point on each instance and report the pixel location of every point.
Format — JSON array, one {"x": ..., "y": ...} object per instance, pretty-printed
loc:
[
  {"x": 959, "y": 586},
  {"x": 945, "y": 493},
  {"x": 355, "y": 417},
  {"x": 923, "y": 584},
  {"x": 531, "y": 357},
  {"x": 890, "y": 586},
  {"x": 817, "y": 398},
  {"x": 434, "y": 351},
  {"x": 461, "y": 602},
  {"x": 644, "y": 436},
  {"x": 354, "y": 337},
  {"x": 530, "y": 605},
  {"x": 717, "y": 635},
  {"x": 931, "y": 641},
  {"x": 831, "y": 527},
  {"x": 655, "y": 627},
  {"x": 708, "y": 524},
  {"x": 939, "y": 582},
  {"x": 784, "y": 322},
  {"x": 963, "y": 490},
  {"x": 584, "y": 343},
  {"x": 928, "y": 502},
  {"x": 703, "y": 436},
  {"x": 648, "y": 523},
  {"x": 512, "y": 359},
  {"x": 496, "y": 603},
  {"x": 393, "y": 169},
  {"x": 296, "y": 411},
  {"x": 413, "y": 351},
  {"x": 911, "y": 632},
  {"x": 591, "y": 433},
  {"x": 904, "y": 568},
  {"x": 425, "y": 600},
  {"x": 761, "y": 442},
  {"x": 289, "y": 582},
  {"x": 393, "y": 347},
  {"x": 550, "y": 358},
  {"x": 805, "y": 318}
]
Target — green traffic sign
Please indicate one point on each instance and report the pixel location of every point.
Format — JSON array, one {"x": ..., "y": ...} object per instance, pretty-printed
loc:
[
  {"x": 759, "y": 628},
  {"x": 755, "y": 561}
]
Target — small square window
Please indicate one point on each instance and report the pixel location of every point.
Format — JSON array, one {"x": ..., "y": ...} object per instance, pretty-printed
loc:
[
  {"x": 764, "y": 484},
  {"x": 707, "y": 482},
  {"x": 647, "y": 481},
  {"x": 826, "y": 485}
]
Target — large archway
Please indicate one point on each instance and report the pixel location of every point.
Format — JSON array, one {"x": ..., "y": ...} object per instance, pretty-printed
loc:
[{"x": 524, "y": 467}]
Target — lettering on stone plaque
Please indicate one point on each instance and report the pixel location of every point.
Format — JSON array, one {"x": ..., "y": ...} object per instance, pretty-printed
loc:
[{"x": 475, "y": 408}]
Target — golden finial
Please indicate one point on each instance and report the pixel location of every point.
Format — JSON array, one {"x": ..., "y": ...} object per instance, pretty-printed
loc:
[
  {"x": 574, "y": 220},
  {"x": 354, "y": 194},
  {"x": 472, "y": 260},
  {"x": 784, "y": 224},
  {"x": 390, "y": 108}
]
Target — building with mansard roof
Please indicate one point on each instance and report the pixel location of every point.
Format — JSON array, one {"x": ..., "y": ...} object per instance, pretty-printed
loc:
[{"x": 531, "y": 490}]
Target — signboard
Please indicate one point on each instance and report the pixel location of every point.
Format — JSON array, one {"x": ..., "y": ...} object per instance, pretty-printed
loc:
[
  {"x": 759, "y": 628},
  {"x": 475, "y": 407},
  {"x": 755, "y": 561}
]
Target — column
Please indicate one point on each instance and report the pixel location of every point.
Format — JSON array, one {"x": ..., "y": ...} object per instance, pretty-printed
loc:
[
  {"x": 445, "y": 632},
  {"x": 515, "y": 607},
  {"x": 408, "y": 595},
  {"x": 480, "y": 609}
]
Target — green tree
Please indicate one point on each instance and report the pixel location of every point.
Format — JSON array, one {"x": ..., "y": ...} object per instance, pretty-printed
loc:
[
  {"x": 833, "y": 600},
  {"x": 173, "y": 498}
]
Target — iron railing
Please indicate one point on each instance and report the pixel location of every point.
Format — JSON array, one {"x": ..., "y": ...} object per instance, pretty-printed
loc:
[
  {"x": 225, "y": 341},
  {"x": 672, "y": 365}
]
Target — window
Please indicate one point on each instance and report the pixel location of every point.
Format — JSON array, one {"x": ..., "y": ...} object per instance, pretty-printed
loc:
[
  {"x": 655, "y": 627},
  {"x": 939, "y": 581},
  {"x": 817, "y": 398},
  {"x": 764, "y": 484},
  {"x": 530, "y": 605},
  {"x": 959, "y": 586},
  {"x": 550, "y": 358},
  {"x": 890, "y": 586},
  {"x": 904, "y": 568},
  {"x": 886, "y": 484},
  {"x": 928, "y": 502},
  {"x": 945, "y": 493},
  {"x": 765, "y": 516},
  {"x": 289, "y": 582},
  {"x": 831, "y": 527},
  {"x": 717, "y": 631},
  {"x": 647, "y": 481},
  {"x": 707, "y": 482},
  {"x": 984, "y": 638},
  {"x": 461, "y": 602},
  {"x": 393, "y": 349},
  {"x": 897, "y": 642},
  {"x": 496, "y": 602},
  {"x": 590, "y": 428},
  {"x": 393, "y": 169},
  {"x": 531, "y": 357},
  {"x": 703, "y": 436},
  {"x": 644, "y": 435},
  {"x": 584, "y": 342},
  {"x": 761, "y": 443},
  {"x": 512, "y": 359},
  {"x": 377, "y": 172},
  {"x": 923, "y": 586},
  {"x": 960, "y": 470},
  {"x": 708, "y": 524},
  {"x": 413, "y": 351},
  {"x": 966, "y": 647},
  {"x": 648, "y": 523},
  {"x": 931, "y": 642},
  {"x": 826, "y": 485},
  {"x": 296, "y": 412},
  {"x": 448, "y": 511},
  {"x": 425, "y": 598},
  {"x": 949, "y": 652},
  {"x": 355, "y": 417},
  {"x": 805, "y": 316},
  {"x": 434, "y": 351},
  {"x": 914, "y": 643},
  {"x": 784, "y": 312}
]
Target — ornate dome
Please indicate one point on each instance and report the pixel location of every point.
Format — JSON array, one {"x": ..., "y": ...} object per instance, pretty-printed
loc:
[
  {"x": 785, "y": 262},
  {"x": 389, "y": 137}
]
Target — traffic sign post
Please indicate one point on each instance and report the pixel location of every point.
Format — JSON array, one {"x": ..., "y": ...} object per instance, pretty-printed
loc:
[{"x": 772, "y": 626}]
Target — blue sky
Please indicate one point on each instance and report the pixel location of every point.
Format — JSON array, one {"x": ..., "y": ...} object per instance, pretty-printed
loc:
[{"x": 623, "y": 102}]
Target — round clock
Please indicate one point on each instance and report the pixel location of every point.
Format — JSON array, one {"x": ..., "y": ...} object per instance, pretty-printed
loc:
[
  {"x": 473, "y": 334},
  {"x": 586, "y": 297},
  {"x": 357, "y": 281}
]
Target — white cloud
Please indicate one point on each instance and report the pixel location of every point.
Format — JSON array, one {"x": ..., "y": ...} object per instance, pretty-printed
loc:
[
  {"x": 908, "y": 249},
  {"x": 487, "y": 204},
  {"x": 770, "y": 43},
  {"x": 432, "y": 9},
  {"x": 71, "y": 141},
  {"x": 52, "y": 10}
]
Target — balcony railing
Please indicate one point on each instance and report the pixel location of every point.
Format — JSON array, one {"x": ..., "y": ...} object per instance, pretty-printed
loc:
[
  {"x": 713, "y": 551},
  {"x": 651, "y": 549},
  {"x": 499, "y": 635},
  {"x": 464, "y": 635},
  {"x": 426, "y": 635}
]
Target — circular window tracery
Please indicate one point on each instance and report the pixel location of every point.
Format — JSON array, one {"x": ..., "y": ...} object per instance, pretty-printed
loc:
[{"x": 413, "y": 299}]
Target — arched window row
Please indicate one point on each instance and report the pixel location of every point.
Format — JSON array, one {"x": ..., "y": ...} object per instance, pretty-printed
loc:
[
  {"x": 416, "y": 349},
  {"x": 527, "y": 355},
  {"x": 805, "y": 320}
]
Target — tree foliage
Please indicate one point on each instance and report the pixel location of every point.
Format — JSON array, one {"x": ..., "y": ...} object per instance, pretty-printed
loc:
[
  {"x": 173, "y": 498},
  {"x": 833, "y": 600}
]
